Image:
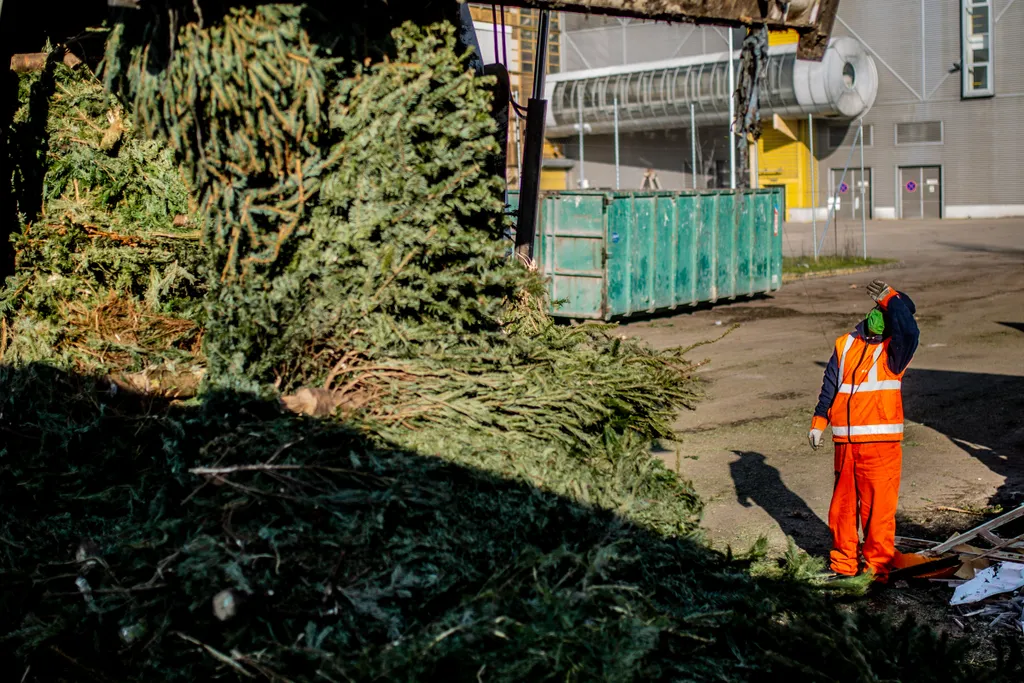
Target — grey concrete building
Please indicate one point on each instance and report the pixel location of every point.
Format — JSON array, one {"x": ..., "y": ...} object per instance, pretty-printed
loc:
[{"x": 940, "y": 85}]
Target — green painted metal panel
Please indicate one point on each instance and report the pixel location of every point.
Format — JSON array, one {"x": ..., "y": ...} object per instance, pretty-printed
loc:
[
  {"x": 685, "y": 253},
  {"x": 758, "y": 264},
  {"x": 777, "y": 218},
  {"x": 618, "y": 266},
  {"x": 744, "y": 284},
  {"x": 641, "y": 227},
  {"x": 663, "y": 251},
  {"x": 571, "y": 248},
  {"x": 725, "y": 247},
  {"x": 706, "y": 252},
  {"x": 614, "y": 254},
  {"x": 763, "y": 202}
]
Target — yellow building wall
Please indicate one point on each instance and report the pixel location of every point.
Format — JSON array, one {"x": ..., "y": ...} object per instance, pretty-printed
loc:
[
  {"x": 784, "y": 161},
  {"x": 783, "y": 38},
  {"x": 554, "y": 179},
  {"x": 781, "y": 159}
]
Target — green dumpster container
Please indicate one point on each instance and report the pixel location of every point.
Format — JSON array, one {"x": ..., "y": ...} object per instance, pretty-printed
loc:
[{"x": 615, "y": 254}]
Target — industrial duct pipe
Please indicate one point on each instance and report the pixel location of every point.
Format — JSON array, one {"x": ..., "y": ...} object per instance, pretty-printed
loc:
[{"x": 658, "y": 95}]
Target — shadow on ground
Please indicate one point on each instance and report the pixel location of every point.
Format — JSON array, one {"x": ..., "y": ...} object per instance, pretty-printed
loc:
[
  {"x": 726, "y": 305},
  {"x": 982, "y": 248},
  {"x": 758, "y": 483},
  {"x": 981, "y": 413},
  {"x": 146, "y": 540}
]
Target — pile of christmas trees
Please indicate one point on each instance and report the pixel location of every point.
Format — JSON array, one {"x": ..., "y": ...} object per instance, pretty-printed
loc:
[
  {"x": 397, "y": 466},
  {"x": 107, "y": 260}
]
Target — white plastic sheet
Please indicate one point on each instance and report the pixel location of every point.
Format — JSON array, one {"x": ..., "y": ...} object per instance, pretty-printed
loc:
[{"x": 1004, "y": 577}]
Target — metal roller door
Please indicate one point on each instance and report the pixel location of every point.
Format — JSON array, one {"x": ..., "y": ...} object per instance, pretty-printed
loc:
[{"x": 920, "y": 192}]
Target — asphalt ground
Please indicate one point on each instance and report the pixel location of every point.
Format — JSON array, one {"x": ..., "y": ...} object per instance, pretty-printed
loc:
[{"x": 745, "y": 447}]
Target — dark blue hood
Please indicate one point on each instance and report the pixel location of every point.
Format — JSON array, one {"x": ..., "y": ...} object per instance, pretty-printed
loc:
[
  {"x": 862, "y": 327},
  {"x": 861, "y": 332},
  {"x": 909, "y": 302},
  {"x": 903, "y": 334}
]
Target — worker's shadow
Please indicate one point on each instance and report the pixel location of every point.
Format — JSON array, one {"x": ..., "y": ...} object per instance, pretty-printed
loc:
[{"x": 758, "y": 483}]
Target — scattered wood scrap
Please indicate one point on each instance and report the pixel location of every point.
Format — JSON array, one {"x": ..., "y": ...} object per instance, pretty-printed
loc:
[
  {"x": 977, "y": 548},
  {"x": 981, "y": 566},
  {"x": 1007, "y": 613}
]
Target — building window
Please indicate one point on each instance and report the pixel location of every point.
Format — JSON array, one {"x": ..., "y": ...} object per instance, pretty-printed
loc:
[
  {"x": 976, "y": 48},
  {"x": 844, "y": 135},
  {"x": 919, "y": 133},
  {"x": 723, "y": 175}
]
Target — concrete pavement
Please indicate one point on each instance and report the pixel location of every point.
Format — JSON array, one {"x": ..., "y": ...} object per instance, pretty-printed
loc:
[{"x": 745, "y": 447}]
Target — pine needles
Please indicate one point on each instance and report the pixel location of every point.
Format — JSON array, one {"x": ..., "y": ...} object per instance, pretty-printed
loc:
[
  {"x": 221, "y": 541},
  {"x": 106, "y": 270},
  {"x": 345, "y": 205}
]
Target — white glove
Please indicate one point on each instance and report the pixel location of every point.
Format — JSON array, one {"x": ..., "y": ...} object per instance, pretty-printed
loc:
[
  {"x": 815, "y": 438},
  {"x": 878, "y": 290}
]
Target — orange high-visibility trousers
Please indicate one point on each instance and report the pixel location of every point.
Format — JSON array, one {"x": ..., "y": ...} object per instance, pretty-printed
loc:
[{"x": 867, "y": 491}]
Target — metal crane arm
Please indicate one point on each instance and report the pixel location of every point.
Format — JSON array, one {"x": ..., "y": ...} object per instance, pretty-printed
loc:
[{"x": 812, "y": 19}]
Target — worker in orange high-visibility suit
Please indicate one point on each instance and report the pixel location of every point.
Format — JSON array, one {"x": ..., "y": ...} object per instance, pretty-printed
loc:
[{"x": 861, "y": 397}]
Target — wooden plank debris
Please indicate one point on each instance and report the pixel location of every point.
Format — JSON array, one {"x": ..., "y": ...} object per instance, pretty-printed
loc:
[{"x": 986, "y": 528}]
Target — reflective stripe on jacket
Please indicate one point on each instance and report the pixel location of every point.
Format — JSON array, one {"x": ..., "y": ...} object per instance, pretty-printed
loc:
[{"x": 869, "y": 403}]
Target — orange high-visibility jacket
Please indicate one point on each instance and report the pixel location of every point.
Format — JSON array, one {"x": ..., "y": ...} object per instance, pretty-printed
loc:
[
  {"x": 862, "y": 394},
  {"x": 869, "y": 403}
]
